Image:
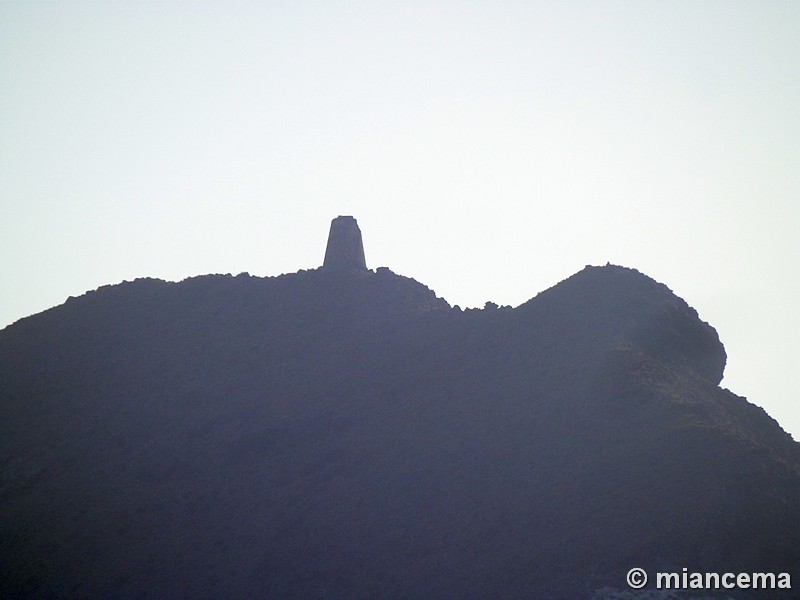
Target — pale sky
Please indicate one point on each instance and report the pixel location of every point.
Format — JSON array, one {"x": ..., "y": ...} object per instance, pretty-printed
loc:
[{"x": 489, "y": 149}]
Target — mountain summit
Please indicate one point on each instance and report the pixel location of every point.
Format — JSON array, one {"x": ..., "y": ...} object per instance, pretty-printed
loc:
[{"x": 345, "y": 433}]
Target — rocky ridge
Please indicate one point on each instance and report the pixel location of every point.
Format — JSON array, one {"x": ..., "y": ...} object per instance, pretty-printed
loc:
[{"x": 342, "y": 432}]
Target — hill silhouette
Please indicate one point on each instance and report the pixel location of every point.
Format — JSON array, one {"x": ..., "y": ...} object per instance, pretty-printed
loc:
[{"x": 345, "y": 433}]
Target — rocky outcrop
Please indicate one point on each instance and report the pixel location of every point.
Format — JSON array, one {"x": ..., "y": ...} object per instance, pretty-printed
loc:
[
  {"x": 345, "y": 433},
  {"x": 615, "y": 306}
]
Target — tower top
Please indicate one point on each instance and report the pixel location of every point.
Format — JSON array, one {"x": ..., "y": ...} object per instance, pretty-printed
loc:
[{"x": 345, "y": 248}]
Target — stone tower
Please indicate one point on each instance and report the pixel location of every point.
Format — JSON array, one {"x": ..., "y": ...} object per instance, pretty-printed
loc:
[{"x": 345, "y": 248}]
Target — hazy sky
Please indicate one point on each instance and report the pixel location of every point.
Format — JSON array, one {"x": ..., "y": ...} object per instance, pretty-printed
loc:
[{"x": 487, "y": 149}]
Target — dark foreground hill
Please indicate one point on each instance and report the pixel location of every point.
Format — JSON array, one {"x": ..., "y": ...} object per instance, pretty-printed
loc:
[{"x": 343, "y": 433}]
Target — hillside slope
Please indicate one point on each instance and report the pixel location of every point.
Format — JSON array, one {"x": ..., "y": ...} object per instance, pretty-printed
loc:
[{"x": 347, "y": 434}]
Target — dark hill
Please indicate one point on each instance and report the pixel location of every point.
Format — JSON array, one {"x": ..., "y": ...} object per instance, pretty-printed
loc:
[{"x": 343, "y": 433}]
